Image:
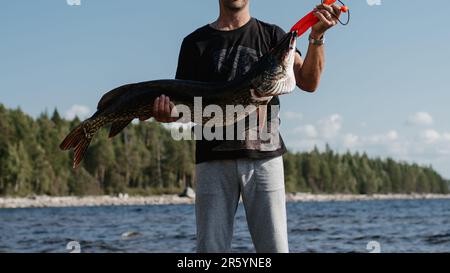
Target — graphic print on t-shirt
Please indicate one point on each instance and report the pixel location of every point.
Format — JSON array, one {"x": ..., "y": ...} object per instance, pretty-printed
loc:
[{"x": 234, "y": 61}]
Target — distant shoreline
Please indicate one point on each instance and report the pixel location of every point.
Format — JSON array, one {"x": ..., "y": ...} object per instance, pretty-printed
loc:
[{"x": 124, "y": 200}]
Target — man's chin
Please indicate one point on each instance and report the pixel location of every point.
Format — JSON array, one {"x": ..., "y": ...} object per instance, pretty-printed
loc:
[
  {"x": 235, "y": 8},
  {"x": 236, "y": 5}
]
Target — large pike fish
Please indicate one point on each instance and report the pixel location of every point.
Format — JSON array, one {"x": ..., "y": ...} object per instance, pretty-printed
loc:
[{"x": 270, "y": 76}]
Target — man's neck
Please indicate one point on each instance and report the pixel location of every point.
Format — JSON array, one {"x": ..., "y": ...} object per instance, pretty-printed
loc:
[{"x": 231, "y": 20}]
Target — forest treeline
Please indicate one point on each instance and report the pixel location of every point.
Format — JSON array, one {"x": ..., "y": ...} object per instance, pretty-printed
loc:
[{"x": 144, "y": 159}]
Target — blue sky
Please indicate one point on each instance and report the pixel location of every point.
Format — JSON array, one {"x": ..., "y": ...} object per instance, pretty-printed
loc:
[{"x": 384, "y": 91}]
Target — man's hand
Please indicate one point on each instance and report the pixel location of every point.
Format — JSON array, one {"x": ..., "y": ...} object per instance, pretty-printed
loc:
[
  {"x": 328, "y": 18},
  {"x": 162, "y": 109}
]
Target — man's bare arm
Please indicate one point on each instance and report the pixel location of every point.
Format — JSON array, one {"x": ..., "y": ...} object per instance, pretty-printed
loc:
[{"x": 308, "y": 72}]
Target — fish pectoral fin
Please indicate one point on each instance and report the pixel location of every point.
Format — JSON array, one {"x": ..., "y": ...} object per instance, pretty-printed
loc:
[
  {"x": 258, "y": 98},
  {"x": 118, "y": 126}
]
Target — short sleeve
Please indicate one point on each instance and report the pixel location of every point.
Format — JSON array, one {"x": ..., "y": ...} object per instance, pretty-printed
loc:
[
  {"x": 187, "y": 59},
  {"x": 278, "y": 35}
]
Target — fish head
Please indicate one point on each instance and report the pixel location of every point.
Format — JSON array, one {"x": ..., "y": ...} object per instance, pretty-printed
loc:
[
  {"x": 284, "y": 52},
  {"x": 276, "y": 76}
]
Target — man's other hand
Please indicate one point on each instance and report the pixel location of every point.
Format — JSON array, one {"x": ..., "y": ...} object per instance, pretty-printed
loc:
[
  {"x": 162, "y": 110},
  {"x": 328, "y": 17}
]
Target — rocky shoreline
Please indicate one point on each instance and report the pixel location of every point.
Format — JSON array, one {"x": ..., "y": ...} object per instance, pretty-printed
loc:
[{"x": 125, "y": 200}]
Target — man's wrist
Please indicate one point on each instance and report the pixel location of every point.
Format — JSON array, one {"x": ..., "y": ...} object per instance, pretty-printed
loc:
[
  {"x": 316, "y": 41},
  {"x": 316, "y": 35}
]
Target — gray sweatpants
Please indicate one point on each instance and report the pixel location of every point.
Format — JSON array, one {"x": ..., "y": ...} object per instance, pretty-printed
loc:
[{"x": 261, "y": 183}]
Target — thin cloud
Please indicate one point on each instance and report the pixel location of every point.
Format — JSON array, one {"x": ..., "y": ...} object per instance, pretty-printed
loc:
[
  {"x": 80, "y": 111},
  {"x": 293, "y": 115},
  {"x": 330, "y": 126},
  {"x": 307, "y": 131},
  {"x": 351, "y": 141},
  {"x": 420, "y": 118},
  {"x": 430, "y": 136}
]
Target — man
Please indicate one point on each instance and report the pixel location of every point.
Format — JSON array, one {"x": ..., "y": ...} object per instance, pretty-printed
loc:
[{"x": 221, "y": 51}]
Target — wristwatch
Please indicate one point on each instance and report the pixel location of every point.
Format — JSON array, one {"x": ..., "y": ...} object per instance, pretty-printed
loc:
[{"x": 317, "y": 42}]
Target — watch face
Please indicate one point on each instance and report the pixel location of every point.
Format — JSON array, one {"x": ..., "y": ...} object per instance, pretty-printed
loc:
[{"x": 316, "y": 42}]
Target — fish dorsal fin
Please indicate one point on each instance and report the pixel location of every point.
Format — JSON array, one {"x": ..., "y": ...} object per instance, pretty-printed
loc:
[
  {"x": 107, "y": 98},
  {"x": 118, "y": 126}
]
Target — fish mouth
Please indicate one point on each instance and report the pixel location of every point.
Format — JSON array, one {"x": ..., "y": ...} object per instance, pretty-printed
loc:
[
  {"x": 292, "y": 41},
  {"x": 286, "y": 45},
  {"x": 288, "y": 41}
]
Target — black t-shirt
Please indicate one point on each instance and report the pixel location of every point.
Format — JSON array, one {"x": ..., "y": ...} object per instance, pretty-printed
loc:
[{"x": 211, "y": 55}]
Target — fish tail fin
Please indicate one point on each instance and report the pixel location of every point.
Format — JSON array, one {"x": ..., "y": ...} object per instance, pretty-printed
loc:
[
  {"x": 78, "y": 141},
  {"x": 80, "y": 151}
]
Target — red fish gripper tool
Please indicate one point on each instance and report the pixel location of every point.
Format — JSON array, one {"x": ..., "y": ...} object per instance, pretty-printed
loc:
[{"x": 310, "y": 19}]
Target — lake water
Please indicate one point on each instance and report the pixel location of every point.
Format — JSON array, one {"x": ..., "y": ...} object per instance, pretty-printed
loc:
[{"x": 397, "y": 226}]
